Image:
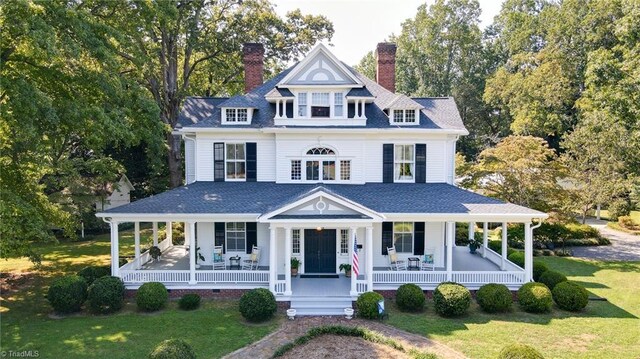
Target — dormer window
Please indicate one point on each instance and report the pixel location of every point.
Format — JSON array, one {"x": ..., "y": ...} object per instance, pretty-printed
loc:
[
  {"x": 320, "y": 106},
  {"x": 327, "y": 104},
  {"x": 236, "y": 115},
  {"x": 404, "y": 117}
]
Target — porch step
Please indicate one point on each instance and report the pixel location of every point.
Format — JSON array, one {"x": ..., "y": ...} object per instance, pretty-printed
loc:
[{"x": 320, "y": 305}]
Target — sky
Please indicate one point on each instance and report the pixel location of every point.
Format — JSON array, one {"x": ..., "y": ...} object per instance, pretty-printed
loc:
[{"x": 361, "y": 24}]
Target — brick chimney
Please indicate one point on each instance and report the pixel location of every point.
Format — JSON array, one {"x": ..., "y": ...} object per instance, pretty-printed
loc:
[
  {"x": 253, "y": 59},
  {"x": 386, "y": 65}
]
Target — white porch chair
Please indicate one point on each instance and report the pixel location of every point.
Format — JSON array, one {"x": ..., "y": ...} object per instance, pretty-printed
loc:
[
  {"x": 394, "y": 262},
  {"x": 218, "y": 258},
  {"x": 427, "y": 262},
  {"x": 252, "y": 262}
]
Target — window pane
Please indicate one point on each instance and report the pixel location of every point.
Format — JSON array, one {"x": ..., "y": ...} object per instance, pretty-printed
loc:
[
  {"x": 408, "y": 153},
  {"x": 242, "y": 115},
  {"x": 345, "y": 170},
  {"x": 318, "y": 111},
  {"x": 231, "y": 151},
  {"x": 398, "y": 116},
  {"x": 328, "y": 170},
  {"x": 403, "y": 237},
  {"x": 320, "y": 98},
  {"x": 337, "y": 98},
  {"x": 302, "y": 98},
  {"x": 338, "y": 102},
  {"x": 296, "y": 170},
  {"x": 302, "y": 104},
  {"x": 398, "y": 152},
  {"x": 410, "y": 116},
  {"x": 344, "y": 241},
  {"x": 313, "y": 170},
  {"x": 240, "y": 170},
  {"x": 231, "y": 114},
  {"x": 236, "y": 237},
  {"x": 240, "y": 151},
  {"x": 295, "y": 236}
]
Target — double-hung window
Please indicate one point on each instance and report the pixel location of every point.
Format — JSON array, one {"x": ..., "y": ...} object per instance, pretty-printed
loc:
[
  {"x": 344, "y": 242},
  {"x": 320, "y": 105},
  {"x": 403, "y": 237},
  {"x": 403, "y": 162},
  {"x": 236, "y": 234},
  {"x": 338, "y": 104},
  {"x": 302, "y": 104},
  {"x": 235, "y": 161},
  {"x": 295, "y": 241}
]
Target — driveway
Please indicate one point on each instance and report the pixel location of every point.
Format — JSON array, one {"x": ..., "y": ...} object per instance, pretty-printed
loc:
[{"x": 624, "y": 246}]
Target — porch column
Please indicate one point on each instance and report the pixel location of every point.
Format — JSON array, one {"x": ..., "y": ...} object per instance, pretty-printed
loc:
[
  {"x": 136, "y": 237},
  {"x": 155, "y": 233},
  {"x": 472, "y": 230},
  {"x": 504, "y": 245},
  {"x": 287, "y": 261},
  {"x": 528, "y": 252},
  {"x": 115, "y": 265},
  {"x": 187, "y": 237},
  {"x": 352, "y": 243},
  {"x": 168, "y": 228},
  {"x": 450, "y": 230},
  {"x": 485, "y": 239},
  {"x": 369, "y": 249},
  {"x": 192, "y": 253},
  {"x": 273, "y": 271}
]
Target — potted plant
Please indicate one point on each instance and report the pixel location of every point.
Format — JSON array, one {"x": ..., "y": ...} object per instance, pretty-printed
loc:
[
  {"x": 475, "y": 243},
  {"x": 155, "y": 253},
  {"x": 295, "y": 264},
  {"x": 198, "y": 256},
  {"x": 346, "y": 267}
]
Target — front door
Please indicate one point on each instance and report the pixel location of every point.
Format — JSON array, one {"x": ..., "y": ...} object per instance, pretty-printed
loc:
[{"x": 320, "y": 251}]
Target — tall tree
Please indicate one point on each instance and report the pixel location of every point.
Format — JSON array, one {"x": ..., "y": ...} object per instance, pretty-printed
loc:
[{"x": 182, "y": 47}]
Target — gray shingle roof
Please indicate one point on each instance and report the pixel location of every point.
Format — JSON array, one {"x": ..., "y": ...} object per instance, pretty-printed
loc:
[
  {"x": 264, "y": 197},
  {"x": 438, "y": 113},
  {"x": 359, "y": 92}
]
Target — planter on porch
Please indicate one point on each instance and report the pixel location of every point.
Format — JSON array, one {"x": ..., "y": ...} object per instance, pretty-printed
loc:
[
  {"x": 346, "y": 268},
  {"x": 295, "y": 264}
]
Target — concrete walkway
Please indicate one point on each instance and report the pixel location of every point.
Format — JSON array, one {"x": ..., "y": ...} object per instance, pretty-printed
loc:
[
  {"x": 292, "y": 329},
  {"x": 624, "y": 246}
]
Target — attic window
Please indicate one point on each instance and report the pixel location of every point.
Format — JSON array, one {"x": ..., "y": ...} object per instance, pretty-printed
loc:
[
  {"x": 404, "y": 116},
  {"x": 235, "y": 115}
]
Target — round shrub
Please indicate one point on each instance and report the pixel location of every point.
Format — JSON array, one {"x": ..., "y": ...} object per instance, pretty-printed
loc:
[
  {"x": 535, "y": 298},
  {"x": 189, "y": 301},
  {"x": 451, "y": 299},
  {"x": 173, "y": 349},
  {"x": 538, "y": 269},
  {"x": 410, "y": 297},
  {"x": 494, "y": 298},
  {"x": 519, "y": 351},
  {"x": 152, "y": 296},
  {"x": 551, "y": 278},
  {"x": 517, "y": 258},
  {"x": 106, "y": 295},
  {"x": 367, "y": 305},
  {"x": 257, "y": 305},
  {"x": 91, "y": 273},
  {"x": 570, "y": 296},
  {"x": 67, "y": 294}
]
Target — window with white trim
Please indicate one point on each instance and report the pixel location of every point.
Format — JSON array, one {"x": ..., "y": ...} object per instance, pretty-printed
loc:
[
  {"x": 403, "y": 237},
  {"x": 296, "y": 170},
  {"x": 338, "y": 104},
  {"x": 404, "y": 116},
  {"x": 322, "y": 164},
  {"x": 345, "y": 170},
  {"x": 295, "y": 241},
  {"x": 302, "y": 104},
  {"x": 235, "y": 161},
  {"x": 403, "y": 163},
  {"x": 236, "y": 115},
  {"x": 320, "y": 105},
  {"x": 344, "y": 242},
  {"x": 236, "y": 235}
]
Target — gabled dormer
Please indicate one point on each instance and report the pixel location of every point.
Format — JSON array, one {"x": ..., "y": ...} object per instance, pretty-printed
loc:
[
  {"x": 320, "y": 89},
  {"x": 403, "y": 111}
]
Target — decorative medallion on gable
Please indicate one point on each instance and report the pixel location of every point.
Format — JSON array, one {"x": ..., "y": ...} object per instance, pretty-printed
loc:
[{"x": 321, "y": 206}]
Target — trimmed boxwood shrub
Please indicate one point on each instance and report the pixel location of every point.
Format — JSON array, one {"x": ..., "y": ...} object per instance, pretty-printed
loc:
[
  {"x": 152, "y": 296},
  {"x": 67, "y": 294},
  {"x": 517, "y": 258},
  {"x": 538, "y": 269},
  {"x": 410, "y": 297},
  {"x": 189, "y": 301},
  {"x": 551, "y": 278},
  {"x": 258, "y": 305},
  {"x": 106, "y": 295},
  {"x": 535, "y": 298},
  {"x": 519, "y": 351},
  {"x": 367, "y": 305},
  {"x": 91, "y": 273},
  {"x": 451, "y": 299},
  {"x": 173, "y": 349},
  {"x": 494, "y": 298},
  {"x": 570, "y": 296}
]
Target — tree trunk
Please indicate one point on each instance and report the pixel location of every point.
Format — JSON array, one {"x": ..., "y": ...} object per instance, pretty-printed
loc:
[{"x": 175, "y": 160}]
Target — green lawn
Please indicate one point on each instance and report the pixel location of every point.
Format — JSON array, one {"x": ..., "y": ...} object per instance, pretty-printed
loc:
[
  {"x": 213, "y": 330},
  {"x": 604, "y": 214},
  {"x": 608, "y": 329}
]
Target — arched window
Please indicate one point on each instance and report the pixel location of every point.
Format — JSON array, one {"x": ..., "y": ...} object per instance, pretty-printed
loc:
[{"x": 321, "y": 151}]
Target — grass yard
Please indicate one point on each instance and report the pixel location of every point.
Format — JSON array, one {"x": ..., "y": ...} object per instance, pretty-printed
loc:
[
  {"x": 604, "y": 330},
  {"x": 604, "y": 214},
  {"x": 215, "y": 329}
]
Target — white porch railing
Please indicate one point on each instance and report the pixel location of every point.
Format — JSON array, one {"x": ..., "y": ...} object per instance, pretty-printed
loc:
[
  {"x": 165, "y": 244},
  {"x": 280, "y": 287},
  {"x": 496, "y": 259},
  {"x": 232, "y": 276},
  {"x": 501, "y": 277},
  {"x": 361, "y": 286},
  {"x": 401, "y": 277},
  {"x": 164, "y": 276}
]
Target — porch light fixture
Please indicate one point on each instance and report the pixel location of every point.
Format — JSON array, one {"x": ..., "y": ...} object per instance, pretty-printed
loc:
[{"x": 318, "y": 229}]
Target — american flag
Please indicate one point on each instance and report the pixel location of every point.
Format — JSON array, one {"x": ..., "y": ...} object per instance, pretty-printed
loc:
[{"x": 355, "y": 268}]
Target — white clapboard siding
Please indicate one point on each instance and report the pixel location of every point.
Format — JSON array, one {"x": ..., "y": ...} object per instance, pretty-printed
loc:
[{"x": 190, "y": 160}]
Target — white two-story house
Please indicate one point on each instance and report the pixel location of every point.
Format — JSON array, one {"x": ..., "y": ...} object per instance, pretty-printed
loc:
[{"x": 313, "y": 164}]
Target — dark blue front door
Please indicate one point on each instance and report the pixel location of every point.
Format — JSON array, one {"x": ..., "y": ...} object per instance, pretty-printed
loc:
[{"x": 320, "y": 251}]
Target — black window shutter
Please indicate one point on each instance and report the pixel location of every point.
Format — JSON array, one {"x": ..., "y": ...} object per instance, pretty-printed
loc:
[
  {"x": 252, "y": 159},
  {"x": 387, "y": 163},
  {"x": 218, "y": 162},
  {"x": 421, "y": 163},
  {"x": 220, "y": 235},
  {"x": 252, "y": 236},
  {"x": 418, "y": 238},
  {"x": 387, "y": 236}
]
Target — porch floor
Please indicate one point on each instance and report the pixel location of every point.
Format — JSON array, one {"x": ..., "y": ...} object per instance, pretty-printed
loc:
[
  {"x": 320, "y": 287},
  {"x": 177, "y": 258}
]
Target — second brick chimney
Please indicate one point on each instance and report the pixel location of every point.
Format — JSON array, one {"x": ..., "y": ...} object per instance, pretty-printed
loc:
[
  {"x": 386, "y": 65},
  {"x": 253, "y": 59}
]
